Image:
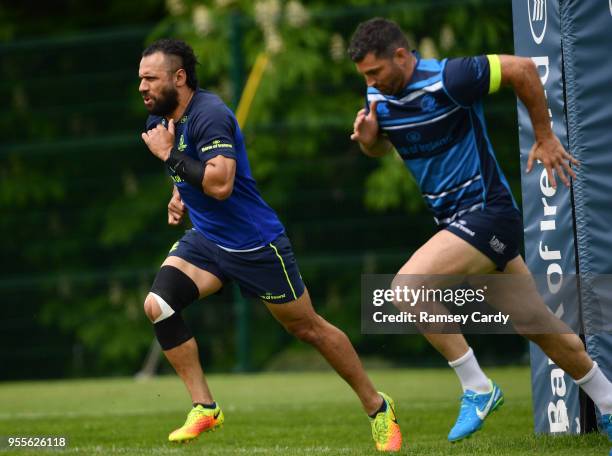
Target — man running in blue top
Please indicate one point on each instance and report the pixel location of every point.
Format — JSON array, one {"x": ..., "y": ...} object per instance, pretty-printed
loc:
[
  {"x": 236, "y": 236},
  {"x": 430, "y": 111}
]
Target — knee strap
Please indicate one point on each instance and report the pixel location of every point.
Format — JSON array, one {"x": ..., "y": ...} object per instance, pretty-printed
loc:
[
  {"x": 173, "y": 290},
  {"x": 166, "y": 310},
  {"x": 172, "y": 332}
]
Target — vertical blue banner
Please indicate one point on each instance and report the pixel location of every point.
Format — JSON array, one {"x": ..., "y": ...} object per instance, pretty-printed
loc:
[
  {"x": 587, "y": 50},
  {"x": 547, "y": 212}
]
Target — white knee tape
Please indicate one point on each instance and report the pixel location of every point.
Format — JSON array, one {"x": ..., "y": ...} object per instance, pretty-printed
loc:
[{"x": 166, "y": 310}]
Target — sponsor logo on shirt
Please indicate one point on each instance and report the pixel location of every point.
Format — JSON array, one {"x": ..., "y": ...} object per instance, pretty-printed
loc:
[
  {"x": 217, "y": 144},
  {"x": 413, "y": 136}
]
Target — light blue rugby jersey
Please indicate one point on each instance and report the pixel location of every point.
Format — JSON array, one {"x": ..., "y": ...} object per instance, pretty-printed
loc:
[{"x": 437, "y": 126}]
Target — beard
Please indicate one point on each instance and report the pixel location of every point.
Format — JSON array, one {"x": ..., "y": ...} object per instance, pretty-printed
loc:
[
  {"x": 394, "y": 82},
  {"x": 397, "y": 85},
  {"x": 166, "y": 103}
]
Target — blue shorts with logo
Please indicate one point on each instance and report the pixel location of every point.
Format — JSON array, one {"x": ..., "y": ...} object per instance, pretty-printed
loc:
[
  {"x": 269, "y": 273},
  {"x": 496, "y": 232}
]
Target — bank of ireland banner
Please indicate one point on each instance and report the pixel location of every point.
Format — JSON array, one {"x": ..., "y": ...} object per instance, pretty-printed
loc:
[
  {"x": 587, "y": 48},
  {"x": 547, "y": 215}
]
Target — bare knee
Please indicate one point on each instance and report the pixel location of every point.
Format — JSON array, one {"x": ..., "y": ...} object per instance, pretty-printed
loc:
[
  {"x": 404, "y": 282},
  {"x": 151, "y": 308},
  {"x": 307, "y": 330}
]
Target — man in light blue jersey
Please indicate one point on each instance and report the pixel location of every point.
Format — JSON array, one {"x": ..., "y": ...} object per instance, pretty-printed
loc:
[
  {"x": 236, "y": 237},
  {"x": 430, "y": 111}
]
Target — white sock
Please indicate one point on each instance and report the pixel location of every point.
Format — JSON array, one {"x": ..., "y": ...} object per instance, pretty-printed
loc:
[
  {"x": 599, "y": 389},
  {"x": 470, "y": 374}
]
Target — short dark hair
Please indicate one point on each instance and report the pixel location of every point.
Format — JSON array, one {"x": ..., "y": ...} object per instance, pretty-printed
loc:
[
  {"x": 377, "y": 35},
  {"x": 180, "y": 49}
]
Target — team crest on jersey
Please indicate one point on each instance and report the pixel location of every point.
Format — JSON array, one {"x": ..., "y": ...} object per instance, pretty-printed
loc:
[
  {"x": 428, "y": 103},
  {"x": 382, "y": 109}
]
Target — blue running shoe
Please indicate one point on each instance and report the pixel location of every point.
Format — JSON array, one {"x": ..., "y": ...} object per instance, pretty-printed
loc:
[
  {"x": 474, "y": 409},
  {"x": 606, "y": 421}
]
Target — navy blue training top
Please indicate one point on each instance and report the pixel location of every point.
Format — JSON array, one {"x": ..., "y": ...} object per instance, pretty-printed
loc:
[{"x": 243, "y": 221}]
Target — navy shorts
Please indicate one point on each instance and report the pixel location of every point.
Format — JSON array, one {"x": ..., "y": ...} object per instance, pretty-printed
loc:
[
  {"x": 269, "y": 273},
  {"x": 496, "y": 233}
]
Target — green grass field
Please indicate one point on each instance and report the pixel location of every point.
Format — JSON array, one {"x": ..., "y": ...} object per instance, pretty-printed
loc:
[{"x": 279, "y": 414}]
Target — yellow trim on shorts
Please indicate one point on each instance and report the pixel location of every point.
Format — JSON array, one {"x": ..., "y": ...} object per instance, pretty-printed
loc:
[
  {"x": 494, "y": 72},
  {"x": 284, "y": 270}
]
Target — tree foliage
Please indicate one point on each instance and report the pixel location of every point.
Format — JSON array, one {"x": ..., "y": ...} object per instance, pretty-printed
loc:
[{"x": 84, "y": 201}]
